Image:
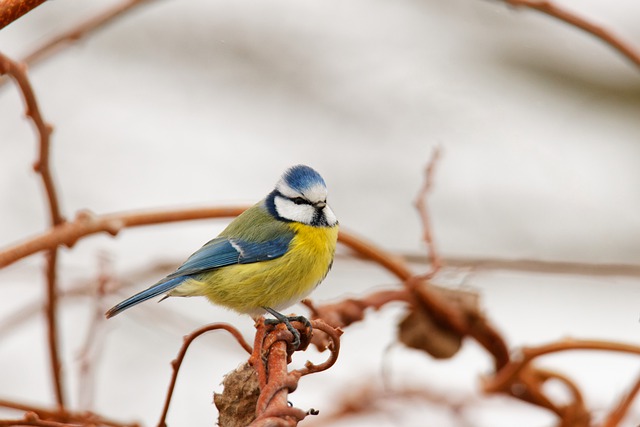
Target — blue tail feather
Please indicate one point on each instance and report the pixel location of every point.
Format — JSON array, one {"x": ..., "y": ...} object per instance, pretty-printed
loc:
[{"x": 153, "y": 291}]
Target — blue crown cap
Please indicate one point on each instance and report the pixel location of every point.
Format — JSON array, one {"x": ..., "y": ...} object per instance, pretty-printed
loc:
[{"x": 302, "y": 177}]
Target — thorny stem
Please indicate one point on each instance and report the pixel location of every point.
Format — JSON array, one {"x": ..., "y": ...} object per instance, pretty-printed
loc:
[
  {"x": 19, "y": 74},
  {"x": 177, "y": 362}
]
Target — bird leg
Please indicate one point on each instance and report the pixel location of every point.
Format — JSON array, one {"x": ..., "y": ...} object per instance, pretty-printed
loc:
[{"x": 281, "y": 318}]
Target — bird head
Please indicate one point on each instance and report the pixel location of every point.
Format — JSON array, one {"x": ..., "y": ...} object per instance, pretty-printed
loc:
[{"x": 301, "y": 196}]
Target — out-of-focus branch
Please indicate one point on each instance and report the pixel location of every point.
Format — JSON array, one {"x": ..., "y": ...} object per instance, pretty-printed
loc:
[
  {"x": 510, "y": 371},
  {"x": 70, "y": 36},
  {"x": 423, "y": 210},
  {"x": 551, "y": 9},
  {"x": 18, "y": 73},
  {"x": 65, "y": 38},
  {"x": 10, "y": 10},
  {"x": 87, "y": 223},
  {"x": 535, "y": 266},
  {"x": 75, "y": 418}
]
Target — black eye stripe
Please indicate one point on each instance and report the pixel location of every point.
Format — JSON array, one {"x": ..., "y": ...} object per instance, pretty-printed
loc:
[{"x": 300, "y": 201}]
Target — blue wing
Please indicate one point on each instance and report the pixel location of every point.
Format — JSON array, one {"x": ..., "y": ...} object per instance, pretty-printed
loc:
[
  {"x": 223, "y": 251},
  {"x": 219, "y": 252}
]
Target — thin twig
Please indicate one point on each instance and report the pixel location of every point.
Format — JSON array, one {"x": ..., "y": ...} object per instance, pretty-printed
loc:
[
  {"x": 177, "y": 362},
  {"x": 558, "y": 12},
  {"x": 66, "y": 38},
  {"x": 423, "y": 210}
]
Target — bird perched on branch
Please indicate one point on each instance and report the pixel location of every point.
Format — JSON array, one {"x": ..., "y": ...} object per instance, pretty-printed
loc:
[{"x": 267, "y": 259}]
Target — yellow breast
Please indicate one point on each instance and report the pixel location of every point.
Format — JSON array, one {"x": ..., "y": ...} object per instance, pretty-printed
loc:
[{"x": 277, "y": 283}]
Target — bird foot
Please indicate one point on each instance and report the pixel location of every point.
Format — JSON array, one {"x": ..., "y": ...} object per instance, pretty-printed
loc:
[{"x": 286, "y": 320}]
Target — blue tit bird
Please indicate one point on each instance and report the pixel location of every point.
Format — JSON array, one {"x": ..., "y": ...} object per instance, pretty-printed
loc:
[{"x": 267, "y": 259}]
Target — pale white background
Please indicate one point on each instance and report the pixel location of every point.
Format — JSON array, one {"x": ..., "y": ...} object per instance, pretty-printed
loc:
[{"x": 201, "y": 102}]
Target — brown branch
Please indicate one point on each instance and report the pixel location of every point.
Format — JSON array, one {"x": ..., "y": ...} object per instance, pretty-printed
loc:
[
  {"x": 272, "y": 407},
  {"x": 10, "y": 10},
  {"x": 86, "y": 223},
  {"x": 555, "y": 11},
  {"x": 177, "y": 362},
  {"x": 421, "y": 204},
  {"x": 574, "y": 414},
  {"x": 18, "y": 73},
  {"x": 52, "y": 326}
]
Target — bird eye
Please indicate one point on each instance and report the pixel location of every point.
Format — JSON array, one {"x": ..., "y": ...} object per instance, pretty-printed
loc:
[{"x": 299, "y": 201}]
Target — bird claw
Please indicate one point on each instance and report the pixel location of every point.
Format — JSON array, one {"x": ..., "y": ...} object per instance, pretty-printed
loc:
[{"x": 286, "y": 320}]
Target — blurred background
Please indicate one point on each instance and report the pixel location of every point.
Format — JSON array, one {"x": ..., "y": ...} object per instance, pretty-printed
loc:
[{"x": 182, "y": 104}]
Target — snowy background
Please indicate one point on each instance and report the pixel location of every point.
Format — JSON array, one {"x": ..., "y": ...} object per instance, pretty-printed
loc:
[{"x": 201, "y": 103}]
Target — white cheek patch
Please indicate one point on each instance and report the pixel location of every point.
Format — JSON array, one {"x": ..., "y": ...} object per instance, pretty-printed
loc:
[{"x": 289, "y": 210}]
